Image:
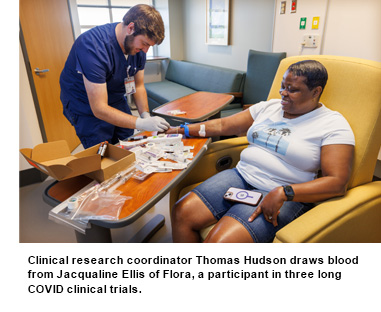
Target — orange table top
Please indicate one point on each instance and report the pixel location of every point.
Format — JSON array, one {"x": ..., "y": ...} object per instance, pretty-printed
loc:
[
  {"x": 144, "y": 194},
  {"x": 197, "y": 106}
]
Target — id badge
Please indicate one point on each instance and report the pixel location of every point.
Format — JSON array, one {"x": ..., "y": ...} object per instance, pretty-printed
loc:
[{"x": 129, "y": 84}]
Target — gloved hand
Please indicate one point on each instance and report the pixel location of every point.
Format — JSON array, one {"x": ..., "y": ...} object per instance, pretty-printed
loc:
[
  {"x": 152, "y": 124},
  {"x": 145, "y": 115}
]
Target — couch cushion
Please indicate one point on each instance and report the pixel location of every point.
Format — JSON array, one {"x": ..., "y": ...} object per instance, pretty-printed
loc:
[
  {"x": 165, "y": 91},
  {"x": 261, "y": 70},
  {"x": 202, "y": 77}
]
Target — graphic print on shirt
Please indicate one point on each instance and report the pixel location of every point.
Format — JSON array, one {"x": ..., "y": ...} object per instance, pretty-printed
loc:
[{"x": 271, "y": 135}]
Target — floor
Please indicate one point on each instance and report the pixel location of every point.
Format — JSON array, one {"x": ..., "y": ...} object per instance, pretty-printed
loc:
[{"x": 35, "y": 227}]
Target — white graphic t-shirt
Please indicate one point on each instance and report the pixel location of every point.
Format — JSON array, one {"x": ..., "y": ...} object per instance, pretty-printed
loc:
[{"x": 285, "y": 151}]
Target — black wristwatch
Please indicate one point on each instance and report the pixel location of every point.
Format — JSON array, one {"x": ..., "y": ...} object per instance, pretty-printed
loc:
[{"x": 289, "y": 192}]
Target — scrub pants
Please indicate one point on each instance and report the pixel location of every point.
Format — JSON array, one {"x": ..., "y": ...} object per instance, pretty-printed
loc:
[{"x": 92, "y": 131}]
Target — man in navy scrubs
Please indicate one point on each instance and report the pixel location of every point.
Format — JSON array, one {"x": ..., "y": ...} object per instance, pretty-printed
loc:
[{"x": 104, "y": 64}]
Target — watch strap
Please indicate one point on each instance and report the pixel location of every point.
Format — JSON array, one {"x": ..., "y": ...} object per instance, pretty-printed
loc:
[{"x": 289, "y": 192}]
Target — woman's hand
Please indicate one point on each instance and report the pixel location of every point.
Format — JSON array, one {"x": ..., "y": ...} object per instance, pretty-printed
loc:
[{"x": 270, "y": 206}]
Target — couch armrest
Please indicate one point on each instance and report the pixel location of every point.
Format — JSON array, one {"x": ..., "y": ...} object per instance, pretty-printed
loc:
[{"x": 353, "y": 218}]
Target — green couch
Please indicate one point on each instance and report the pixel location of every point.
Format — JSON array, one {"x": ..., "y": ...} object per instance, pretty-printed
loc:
[{"x": 183, "y": 78}]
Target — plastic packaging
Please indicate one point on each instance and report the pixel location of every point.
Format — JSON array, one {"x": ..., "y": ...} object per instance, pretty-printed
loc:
[
  {"x": 176, "y": 112},
  {"x": 99, "y": 205},
  {"x": 141, "y": 175},
  {"x": 102, "y": 201}
]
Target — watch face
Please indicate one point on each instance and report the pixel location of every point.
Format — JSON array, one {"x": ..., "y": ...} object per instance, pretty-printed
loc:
[{"x": 289, "y": 192}]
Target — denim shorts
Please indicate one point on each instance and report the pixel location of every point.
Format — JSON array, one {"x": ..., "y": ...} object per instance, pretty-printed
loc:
[{"x": 212, "y": 191}]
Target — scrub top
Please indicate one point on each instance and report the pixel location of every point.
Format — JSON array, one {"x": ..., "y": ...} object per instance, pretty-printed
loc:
[{"x": 97, "y": 55}]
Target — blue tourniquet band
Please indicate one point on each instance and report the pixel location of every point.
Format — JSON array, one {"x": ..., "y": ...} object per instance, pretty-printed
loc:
[{"x": 186, "y": 129}]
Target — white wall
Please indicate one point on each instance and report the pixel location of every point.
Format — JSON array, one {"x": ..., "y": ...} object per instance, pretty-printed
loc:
[
  {"x": 251, "y": 27},
  {"x": 287, "y": 35},
  {"x": 347, "y": 28},
  {"x": 175, "y": 16},
  {"x": 354, "y": 29}
]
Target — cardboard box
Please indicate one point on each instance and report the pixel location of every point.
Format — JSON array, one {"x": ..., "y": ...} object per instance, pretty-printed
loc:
[
  {"x": 114, "y": 160},
  {"x": 55, "y": 159}
]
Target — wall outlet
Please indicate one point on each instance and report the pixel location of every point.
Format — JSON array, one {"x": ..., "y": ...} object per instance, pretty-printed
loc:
[{"x": 311, "y": 41}]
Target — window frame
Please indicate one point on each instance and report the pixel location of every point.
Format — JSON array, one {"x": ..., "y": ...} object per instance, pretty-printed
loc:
[{"x": 109, "y": 6}]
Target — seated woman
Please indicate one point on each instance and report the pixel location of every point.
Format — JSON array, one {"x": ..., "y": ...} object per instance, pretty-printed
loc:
[{"x": 290, "y": 140}]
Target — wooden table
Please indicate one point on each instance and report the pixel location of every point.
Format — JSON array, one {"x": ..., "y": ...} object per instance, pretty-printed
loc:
[
  {"x": 144, "y": 195},
  {"x": 198, "y": 106}
]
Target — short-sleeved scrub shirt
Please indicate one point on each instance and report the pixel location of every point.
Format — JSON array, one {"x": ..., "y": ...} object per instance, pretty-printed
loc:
[{"x": 96, "y": 54}]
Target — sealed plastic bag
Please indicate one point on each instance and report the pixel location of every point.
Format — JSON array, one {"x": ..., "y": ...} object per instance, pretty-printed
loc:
[
  {"x": 102, "y": 201},
  {"x": 99, "y": 205}
]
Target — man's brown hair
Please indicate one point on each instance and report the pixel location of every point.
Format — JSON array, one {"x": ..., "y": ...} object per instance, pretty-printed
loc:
[{"x": 147, "y": 21}]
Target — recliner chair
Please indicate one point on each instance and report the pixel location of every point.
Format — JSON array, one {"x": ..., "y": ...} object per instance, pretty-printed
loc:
[{"x": 354, "y": 90}]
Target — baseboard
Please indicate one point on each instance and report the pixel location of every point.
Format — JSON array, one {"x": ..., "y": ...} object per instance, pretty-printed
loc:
[{"x": 31, "y": 176}]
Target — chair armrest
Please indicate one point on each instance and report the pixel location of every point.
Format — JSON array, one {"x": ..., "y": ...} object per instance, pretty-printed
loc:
[{"x": 353, "y": 218}]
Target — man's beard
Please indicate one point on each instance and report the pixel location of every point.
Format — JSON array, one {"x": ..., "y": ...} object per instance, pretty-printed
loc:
[{"x": 128, "y": 46}]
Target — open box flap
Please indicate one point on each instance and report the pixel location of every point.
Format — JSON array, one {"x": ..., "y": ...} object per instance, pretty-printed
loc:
[
  {"x": 51, "y": 150},
  {"x": 27, "y": 152},
  {"x": 55, "y": 159}
]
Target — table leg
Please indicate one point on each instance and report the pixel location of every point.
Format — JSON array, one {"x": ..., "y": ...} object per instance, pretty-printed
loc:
[
  {"x": 148, "y": 230},
  {"x": 96, "y": 234},
  {"x": 215, "y": 116}
]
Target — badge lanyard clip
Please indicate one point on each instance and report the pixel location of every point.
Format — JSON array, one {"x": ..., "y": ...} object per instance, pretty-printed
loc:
[{"x": 129, "y": 82}]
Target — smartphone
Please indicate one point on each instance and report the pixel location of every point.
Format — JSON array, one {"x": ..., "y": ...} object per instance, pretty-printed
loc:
[{"x": 243, "y": 196}]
